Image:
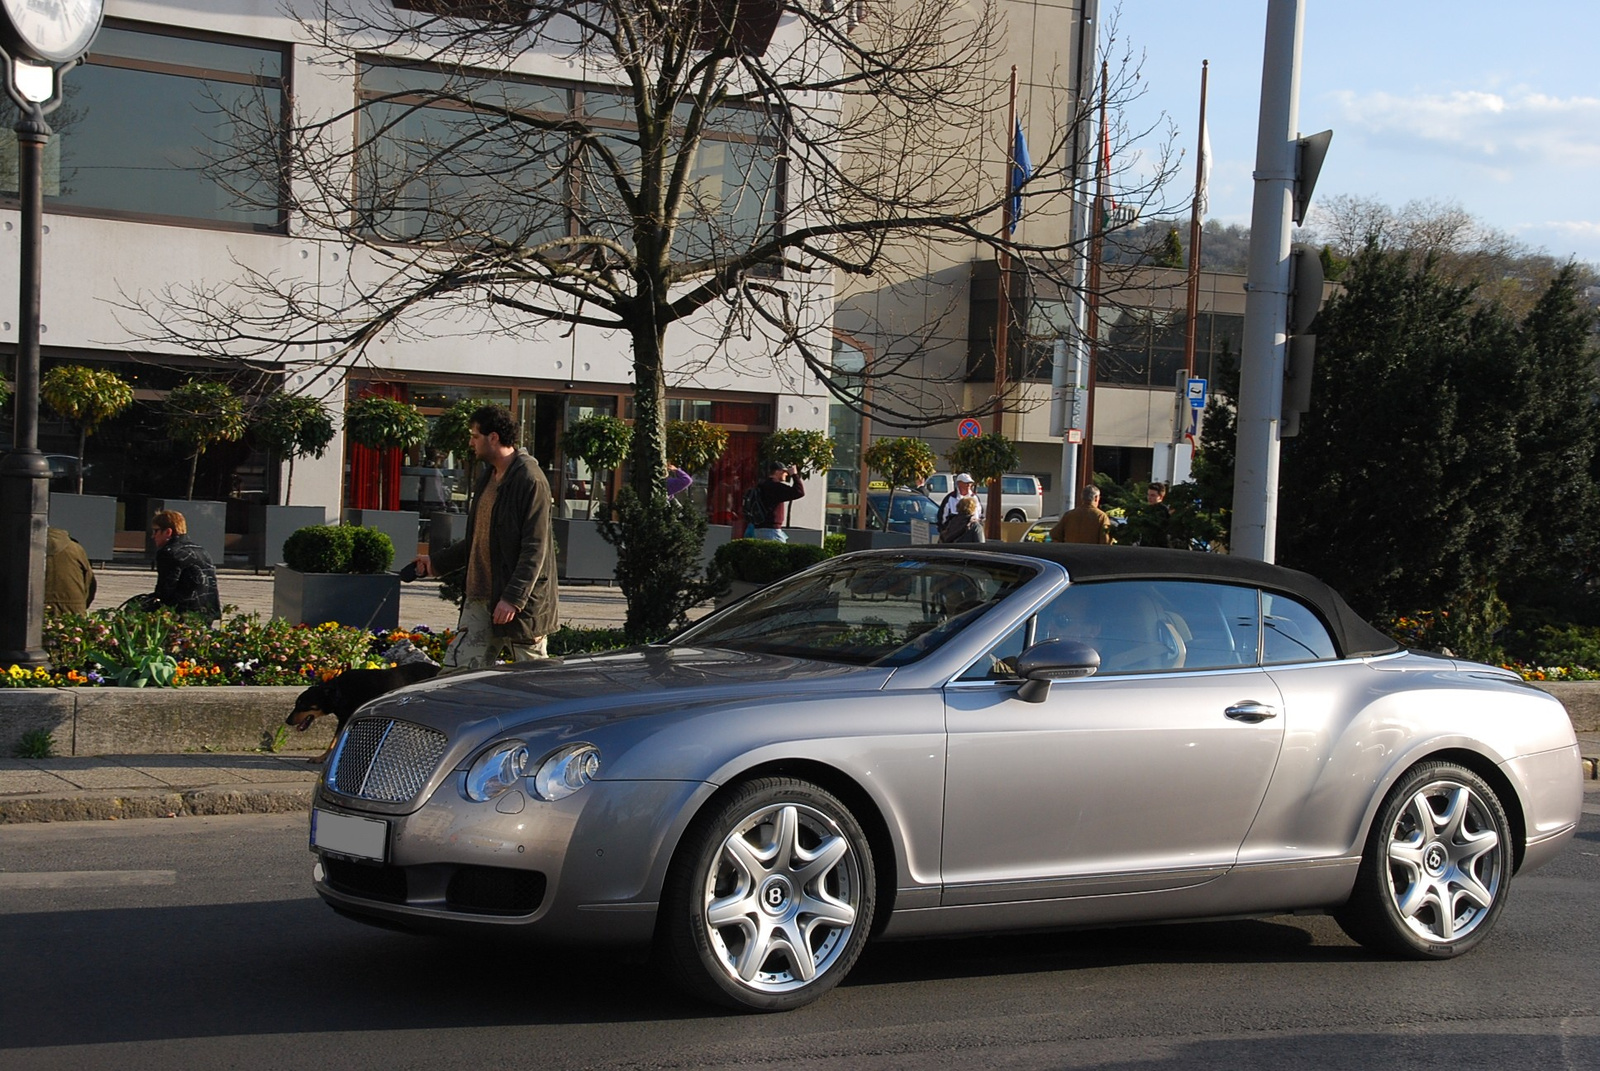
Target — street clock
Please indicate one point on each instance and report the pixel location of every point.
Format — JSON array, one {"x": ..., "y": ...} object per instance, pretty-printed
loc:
[{"x": 51, "y": 31}]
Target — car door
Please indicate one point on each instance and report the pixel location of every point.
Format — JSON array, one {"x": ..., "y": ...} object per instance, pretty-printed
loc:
[{"x": 1144, "y": 776}]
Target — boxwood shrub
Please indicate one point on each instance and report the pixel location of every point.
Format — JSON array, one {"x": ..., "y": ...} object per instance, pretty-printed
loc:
[
  {"x": 319, "y": 548},
  {"x": 371, "y": 551}
]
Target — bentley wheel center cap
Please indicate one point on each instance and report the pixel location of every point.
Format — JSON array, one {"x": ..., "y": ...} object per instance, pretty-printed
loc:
[
  {"x": 1435, "y": 858},
  {"x": 776, "y": 892}
]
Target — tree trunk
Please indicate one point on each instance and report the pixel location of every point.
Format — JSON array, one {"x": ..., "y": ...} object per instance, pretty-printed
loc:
[
  {"x": 649, "y": 449},
  {"x": 83, "y": 435},
  {"x": 288, "y": 481},
  {"x": 194, "y": 466}
]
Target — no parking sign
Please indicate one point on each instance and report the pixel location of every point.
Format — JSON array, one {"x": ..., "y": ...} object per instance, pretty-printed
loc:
[{"x": 970, "y": 429}]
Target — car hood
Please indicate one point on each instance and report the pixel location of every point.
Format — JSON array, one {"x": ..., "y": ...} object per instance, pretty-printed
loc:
[{"x": 575, "y": 696}]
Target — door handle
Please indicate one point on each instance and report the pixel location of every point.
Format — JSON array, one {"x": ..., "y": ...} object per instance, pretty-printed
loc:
[{"x": 1251, "y": 711}]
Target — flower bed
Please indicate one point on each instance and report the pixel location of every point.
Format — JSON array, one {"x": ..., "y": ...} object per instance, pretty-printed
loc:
[{"x": 165, "y": 649}]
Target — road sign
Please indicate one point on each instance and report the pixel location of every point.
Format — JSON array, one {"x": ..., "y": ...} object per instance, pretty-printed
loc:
[
  {"x": 970, "y": 429},
  {"x": 1197, "y": 394}
]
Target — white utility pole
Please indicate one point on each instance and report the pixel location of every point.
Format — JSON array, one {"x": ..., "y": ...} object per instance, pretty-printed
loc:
[{"x": 1255, "y": 481}]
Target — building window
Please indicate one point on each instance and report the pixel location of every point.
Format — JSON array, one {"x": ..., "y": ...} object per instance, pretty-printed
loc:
[
  {"x": 1138, "y": 347},
  {"x": 166, "y": 127},
  {"x": 444, "y": 155}
]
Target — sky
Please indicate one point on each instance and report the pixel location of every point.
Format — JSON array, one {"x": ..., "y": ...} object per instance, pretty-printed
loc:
[{"x": 1492, "y": 107}]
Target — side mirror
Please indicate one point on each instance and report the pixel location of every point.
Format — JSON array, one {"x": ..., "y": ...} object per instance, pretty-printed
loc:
[{"x": 1054, "y": 660}]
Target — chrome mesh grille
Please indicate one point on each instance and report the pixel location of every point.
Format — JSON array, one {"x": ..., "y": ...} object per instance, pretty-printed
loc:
[{"x": 386, "y": 760}]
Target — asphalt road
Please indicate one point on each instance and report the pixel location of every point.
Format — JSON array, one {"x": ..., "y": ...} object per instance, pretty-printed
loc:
[{"x": 196, "y": 943}]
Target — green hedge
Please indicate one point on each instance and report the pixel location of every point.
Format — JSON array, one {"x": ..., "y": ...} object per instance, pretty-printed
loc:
[{"x": 761, "y": 561}]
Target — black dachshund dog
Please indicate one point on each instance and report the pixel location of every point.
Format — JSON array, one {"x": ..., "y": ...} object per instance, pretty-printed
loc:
[{"x": 342, "y": 695}]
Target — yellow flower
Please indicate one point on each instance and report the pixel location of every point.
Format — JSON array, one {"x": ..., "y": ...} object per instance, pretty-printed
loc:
[{"x": 18, "y": 673}]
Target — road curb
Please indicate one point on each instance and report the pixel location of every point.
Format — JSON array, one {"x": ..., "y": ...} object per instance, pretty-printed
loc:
[{"x": 185, "y": 803}]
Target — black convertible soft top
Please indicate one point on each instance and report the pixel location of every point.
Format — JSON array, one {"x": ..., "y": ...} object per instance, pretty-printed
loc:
[{"x": 1356, "y": 638}]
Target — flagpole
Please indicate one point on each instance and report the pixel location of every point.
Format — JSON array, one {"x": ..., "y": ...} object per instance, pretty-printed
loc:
[
  {"x": 1003, "y": 307},
  {"x": 1096, "y": 252},
  {"x": 1192, "y": 320}
]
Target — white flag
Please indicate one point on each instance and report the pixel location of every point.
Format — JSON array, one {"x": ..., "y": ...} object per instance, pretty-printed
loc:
[{"x": 1202, "y": 192}]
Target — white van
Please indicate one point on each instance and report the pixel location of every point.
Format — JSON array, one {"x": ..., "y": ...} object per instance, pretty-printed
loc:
[{"x": 1021, "y": 495}]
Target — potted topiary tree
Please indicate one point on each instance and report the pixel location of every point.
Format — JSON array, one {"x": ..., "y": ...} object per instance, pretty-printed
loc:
[
  {"x": 337, "y": 573},
  {"x": 601, "y": 442},
  {"x": 386, "y": 424},
  {"x": 451, "y": 435},
  {"x": 87, "y": 397},
  {"x": 200, "y": 414},
  {"x": 986, "y": 458},
  {"x": 290, "y": 426},
  {"x": 694, "y": 446},
  {"x": 902, "y": 461}
]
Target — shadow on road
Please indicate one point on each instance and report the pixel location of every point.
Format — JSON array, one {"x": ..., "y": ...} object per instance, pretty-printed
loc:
[{"x": 142, "y": 974}]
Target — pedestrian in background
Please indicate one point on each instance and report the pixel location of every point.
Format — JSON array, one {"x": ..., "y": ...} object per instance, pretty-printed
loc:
[
  {"x": 678, "y": 481},
  {"x": 508, "y": 554},
  {"x": 963, "y": 526},
  {"x": 966, "y": 490},
  {"x": 186, "y": 578},
  {"x": 773, "y": 495},
  {"x": 68, "y": 577},
  {"x": 1084, "y": 523}
]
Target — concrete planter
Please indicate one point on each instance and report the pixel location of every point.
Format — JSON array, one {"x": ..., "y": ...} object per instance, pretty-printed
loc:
[
  {"x": 716, "y": 536},
  {"x": 862, "y": 539},
  {"x": 1582, "y": 700},
  {"x": 402, "y": 526},
  {"x": 90, "y": 519},
  {"x": 207, "y": 523},
  {"x": 445, "y": 529},
  {"x": 581, "y": 552},
  {"x": 271, "y": 525},
  {"x": 155, "y": 721},
  {"x": 370, "y": 601}
]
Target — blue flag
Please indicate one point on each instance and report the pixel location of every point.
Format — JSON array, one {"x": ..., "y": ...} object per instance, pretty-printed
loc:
[{"x": 1021, "y": 171}]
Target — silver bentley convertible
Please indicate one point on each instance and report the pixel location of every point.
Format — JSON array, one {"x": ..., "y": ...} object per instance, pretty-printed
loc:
[{"x": 929, "y": 741}]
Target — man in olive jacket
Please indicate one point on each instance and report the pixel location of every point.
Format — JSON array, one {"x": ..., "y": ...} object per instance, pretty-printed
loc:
[{"x": 508, "y": 554}]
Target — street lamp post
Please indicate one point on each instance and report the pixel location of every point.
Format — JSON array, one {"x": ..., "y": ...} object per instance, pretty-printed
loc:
[{"x": 37, "y": 44}]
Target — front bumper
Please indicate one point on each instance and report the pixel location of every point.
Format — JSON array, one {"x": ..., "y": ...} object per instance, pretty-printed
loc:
[{"x": 585, "y": 870}]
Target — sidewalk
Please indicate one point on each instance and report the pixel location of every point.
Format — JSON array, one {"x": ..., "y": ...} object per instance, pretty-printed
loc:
[{"x": 174, "y": 786}]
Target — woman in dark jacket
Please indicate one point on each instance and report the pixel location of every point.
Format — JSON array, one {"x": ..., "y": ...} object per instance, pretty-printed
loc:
[{"x": 962, "y": 525}]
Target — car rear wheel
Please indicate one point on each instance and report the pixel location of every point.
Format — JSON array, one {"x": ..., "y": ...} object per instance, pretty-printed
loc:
[
  {"x": 770, "y": 898},
  {"x": 1016, "y": 516},
  {"x": 1437, "y": 869}
]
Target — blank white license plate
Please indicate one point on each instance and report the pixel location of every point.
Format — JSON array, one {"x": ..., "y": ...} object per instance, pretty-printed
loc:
[{"x": 364, "y": 838}]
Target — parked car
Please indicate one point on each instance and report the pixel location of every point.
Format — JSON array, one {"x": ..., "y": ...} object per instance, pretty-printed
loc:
[
  {"x": 934, "y": 741},
  {"x": 1021, "y": 495},
  {"x": 909, "y": 505},
  {"x": 63, "y": 470}
]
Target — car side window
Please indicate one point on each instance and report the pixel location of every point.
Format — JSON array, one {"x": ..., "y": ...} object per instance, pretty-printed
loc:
[
  {"x": 1216, "y": 623},
  {"x": 1000, "y": 662},
  {"x": 1292, "y": 632}
]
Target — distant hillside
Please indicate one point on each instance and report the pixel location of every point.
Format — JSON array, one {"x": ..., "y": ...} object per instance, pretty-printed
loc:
[{"x": 1224, "y": 247}]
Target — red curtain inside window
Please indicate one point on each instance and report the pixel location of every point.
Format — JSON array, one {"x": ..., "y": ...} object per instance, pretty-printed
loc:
[
  {"x": 366, "y": 464},
  {"x": 731, "y": 474}
]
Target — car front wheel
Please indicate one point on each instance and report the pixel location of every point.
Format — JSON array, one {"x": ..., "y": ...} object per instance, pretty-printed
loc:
[
  {"x": 770, "y": 898},
  {"x": 1437, "y": 868}
]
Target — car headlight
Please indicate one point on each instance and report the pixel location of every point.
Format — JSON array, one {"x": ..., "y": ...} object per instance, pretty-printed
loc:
[
  {"x": 565, "y": 771},
  {"x": 496, "y": 770}
]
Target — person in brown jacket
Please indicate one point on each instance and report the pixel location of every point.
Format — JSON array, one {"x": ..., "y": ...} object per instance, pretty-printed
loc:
[
  {"x": 509, "y": 553},
  {"x": 68, "y": 578},
  {"x": 1085, "y": 523}
]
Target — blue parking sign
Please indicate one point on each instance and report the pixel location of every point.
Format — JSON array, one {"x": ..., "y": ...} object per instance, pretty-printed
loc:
[{"x": 1197, "y": 394}]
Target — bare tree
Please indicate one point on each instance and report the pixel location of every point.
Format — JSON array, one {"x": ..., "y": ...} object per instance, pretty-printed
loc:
[
  {"x": 714, "y": 165},
  {"x": 1463, "y": 249}
]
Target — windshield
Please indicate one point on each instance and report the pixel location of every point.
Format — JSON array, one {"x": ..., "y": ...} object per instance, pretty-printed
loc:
[{"x": 876, "y": 611}]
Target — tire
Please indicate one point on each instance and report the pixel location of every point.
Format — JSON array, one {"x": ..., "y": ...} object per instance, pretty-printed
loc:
[
  {"x": 780, "y": 865},
  {"x": 1437, "y": 867},
  {"x": 1016, "y": 516}
]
